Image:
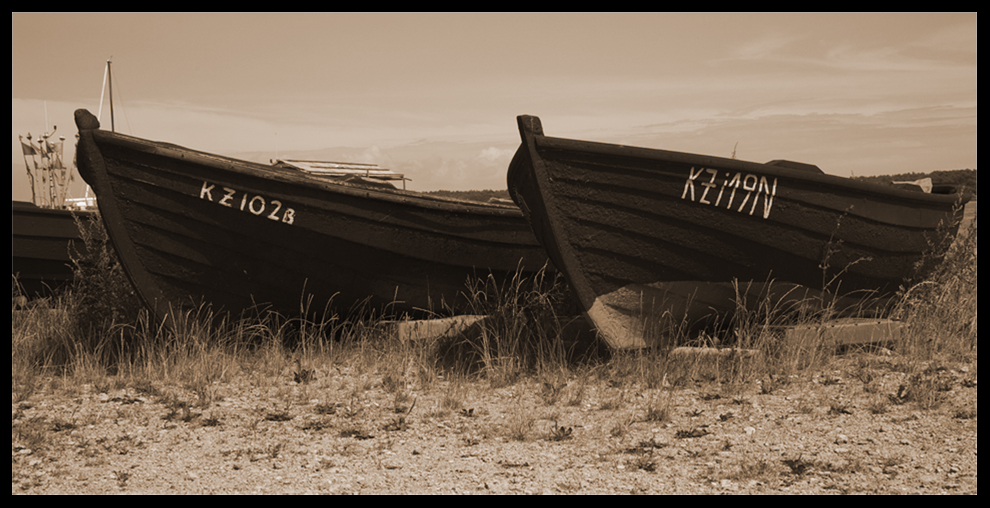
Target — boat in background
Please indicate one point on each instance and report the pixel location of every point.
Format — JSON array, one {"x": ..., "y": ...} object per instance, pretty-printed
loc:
[
  {"x": 346, "y": 172},
  {"x": 44, "y": 231},
  {"x": 655, "y": 243},
  {"x": 194, "y": 228}
]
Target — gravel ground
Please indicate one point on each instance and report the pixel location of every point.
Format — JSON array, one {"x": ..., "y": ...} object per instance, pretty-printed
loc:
[{"x": 850, "y": 428}]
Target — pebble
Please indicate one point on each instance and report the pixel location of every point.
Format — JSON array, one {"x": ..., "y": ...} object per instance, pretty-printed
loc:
[
  {"x": 841, "y": 439},
  {"x": 728, "y": 484}
]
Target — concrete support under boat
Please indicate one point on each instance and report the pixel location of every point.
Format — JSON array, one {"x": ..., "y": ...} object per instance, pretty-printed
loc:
[
  {"x": 839, "y": 333},
  {"x": 800, "y": 344},
  {"x": 575, "y": 333},
  {"x": 844, "y": 332},
  {"x": 425, "y": 329}
]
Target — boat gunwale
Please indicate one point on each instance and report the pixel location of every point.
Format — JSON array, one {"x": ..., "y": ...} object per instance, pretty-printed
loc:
[
  {"x": 267, "y": 172},
  {"x": 636, "y": 152},
  {"x": 29, "y": 207}
]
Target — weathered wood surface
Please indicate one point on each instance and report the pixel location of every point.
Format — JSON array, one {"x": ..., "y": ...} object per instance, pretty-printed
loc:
[{"x": 654, "y": 241}]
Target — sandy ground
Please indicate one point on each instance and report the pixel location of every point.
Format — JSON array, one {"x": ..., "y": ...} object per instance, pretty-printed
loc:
[{"x": 851, "y": 428}]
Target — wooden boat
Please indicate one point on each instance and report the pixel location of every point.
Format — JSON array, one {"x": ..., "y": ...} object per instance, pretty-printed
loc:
[
  {"x": 194, "y": 228},
  {"x": 653, "y": 241},
  {"x": 44, "y": 231},
  {"x": 41, "y": 242}
]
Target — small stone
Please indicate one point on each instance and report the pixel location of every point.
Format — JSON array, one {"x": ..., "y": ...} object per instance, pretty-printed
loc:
[
  {"x": 842, "y": 450},
  {"x": 841, "y": 439},
  {"x": 749, "y": 431}
]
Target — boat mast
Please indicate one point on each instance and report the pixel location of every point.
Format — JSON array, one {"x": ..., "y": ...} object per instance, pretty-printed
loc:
[
  {"x": 110, "y": 83},
  {"x": 107, "y": 80}
]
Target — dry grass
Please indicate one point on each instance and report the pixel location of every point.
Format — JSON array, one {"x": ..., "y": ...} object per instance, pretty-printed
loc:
[{"x": 63, "y": 347}]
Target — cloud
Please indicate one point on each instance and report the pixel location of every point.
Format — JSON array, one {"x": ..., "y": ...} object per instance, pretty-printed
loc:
[
  {"x": 768, "y": 46},
  {"x": 492, "y": 154}
]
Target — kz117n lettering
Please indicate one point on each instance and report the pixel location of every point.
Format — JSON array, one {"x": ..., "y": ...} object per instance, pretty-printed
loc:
[
  {"x": 255, "y": 204},
  {"x": 747, "y": 187}
]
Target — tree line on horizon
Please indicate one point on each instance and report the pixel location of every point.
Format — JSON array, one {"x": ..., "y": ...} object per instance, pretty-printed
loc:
[{"x": 964, "y": 179}]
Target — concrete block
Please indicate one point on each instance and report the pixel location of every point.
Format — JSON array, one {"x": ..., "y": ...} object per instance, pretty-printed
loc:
[
  {"x": 845, "y": 332},
  {"x": 431, "y": 328}
]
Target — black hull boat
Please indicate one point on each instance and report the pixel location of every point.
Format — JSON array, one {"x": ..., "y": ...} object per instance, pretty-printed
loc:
[
  {"x": 653, "y": 241},
  {"x": 41, "y": 242},
  {"x": 43, "y": 232},
  {"x": 193, "y": 228}
]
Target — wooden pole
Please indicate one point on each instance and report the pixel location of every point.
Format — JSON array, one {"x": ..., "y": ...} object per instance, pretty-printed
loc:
[{"x": 110, "y": 83}]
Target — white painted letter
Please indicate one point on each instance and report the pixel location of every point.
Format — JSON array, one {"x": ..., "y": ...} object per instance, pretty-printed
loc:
[
  {"x": 251, "y": 205},
  {"x": 225, "y": 200},
  {"x": 708, "y": 185},
  {"x": 734, "y": 183},
  {"x": 278, "y": 206},
  {"x": 689, "y": 183},
  {"x": 768, "y": 198},
  {"x": 749, "y": 188},
  {"x": 205, "y": 191}
]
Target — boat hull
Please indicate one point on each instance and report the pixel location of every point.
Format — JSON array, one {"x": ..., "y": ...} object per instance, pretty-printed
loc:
[
  {"x": 192, "y": 228},
  {"x": 41, "y": 242},
  {"x": 653, "y": 241}
]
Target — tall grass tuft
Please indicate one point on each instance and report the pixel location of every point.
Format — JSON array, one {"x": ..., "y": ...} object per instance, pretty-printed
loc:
[
  {"x": 103, "y": 294},
  {"x": 99, "y": 327},
  {"x": 86, "y": 323},
  {"x": 940, "y": 309},
  {"x": 522, "y": 331}
]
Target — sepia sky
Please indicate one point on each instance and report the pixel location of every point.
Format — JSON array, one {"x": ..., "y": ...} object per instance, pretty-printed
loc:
[{"x": 435, "y": 95}]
